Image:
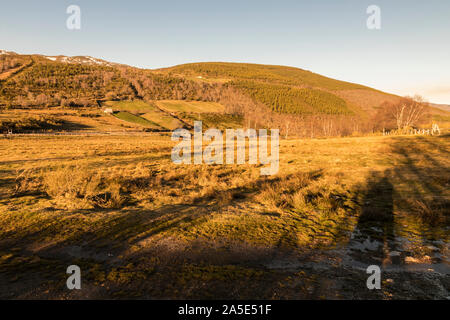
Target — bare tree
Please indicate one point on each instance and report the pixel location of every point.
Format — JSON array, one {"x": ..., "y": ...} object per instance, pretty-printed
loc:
[{"x": 409, "y": 111}]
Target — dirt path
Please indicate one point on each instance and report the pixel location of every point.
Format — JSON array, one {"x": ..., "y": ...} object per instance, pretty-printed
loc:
[{"x": 9, "y": 74}]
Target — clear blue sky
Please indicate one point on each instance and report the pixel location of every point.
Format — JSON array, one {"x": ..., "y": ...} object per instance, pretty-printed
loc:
[{"x": 410, "y": 54}]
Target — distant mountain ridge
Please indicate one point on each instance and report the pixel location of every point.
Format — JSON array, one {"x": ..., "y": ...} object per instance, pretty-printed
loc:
[
  {"x": 445, "y": 107},
  {"x": 81, "y": 60}
]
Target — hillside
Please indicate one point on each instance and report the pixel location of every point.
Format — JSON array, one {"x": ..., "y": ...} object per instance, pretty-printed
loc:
[
  {"x": 85, "y": 79},
  {"x": 263, "y": 95},
  {"x": 289, "y": 89},
  {"x": 445, "y": 107}
]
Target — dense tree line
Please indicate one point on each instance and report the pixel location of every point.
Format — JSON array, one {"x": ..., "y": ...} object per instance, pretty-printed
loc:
[
  {"x": 286, "y": 99},
  {"x": 158, "y": 86},
  {"x": 55, "y": 83}
]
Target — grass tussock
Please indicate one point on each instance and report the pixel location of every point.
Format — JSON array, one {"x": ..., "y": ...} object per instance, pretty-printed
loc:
[
  {"x": 431, "y": 212},
  {"x": 25, "y": 182},
  {"x": 82, "y": 187},
  {"x": 307, "y": 193}
]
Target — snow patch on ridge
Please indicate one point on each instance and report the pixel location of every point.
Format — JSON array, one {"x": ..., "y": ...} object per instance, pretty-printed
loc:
[{"x": 81, "y": 60}]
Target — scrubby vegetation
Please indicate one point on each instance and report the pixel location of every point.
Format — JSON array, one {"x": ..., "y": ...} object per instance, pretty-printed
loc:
[
  {"x": 267, "y": 73},
  {"x": 53, "y": 84},
  {"x": 11, "y": 62}
]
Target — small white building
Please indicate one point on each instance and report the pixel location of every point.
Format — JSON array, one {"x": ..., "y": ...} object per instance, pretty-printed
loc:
[{"x": 108, "y": 110}]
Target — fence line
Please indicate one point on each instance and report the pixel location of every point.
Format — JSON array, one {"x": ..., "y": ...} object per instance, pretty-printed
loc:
[{"x": 435, "y": 130}]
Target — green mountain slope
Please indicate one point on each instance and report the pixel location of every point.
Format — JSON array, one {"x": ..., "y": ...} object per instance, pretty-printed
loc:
[
  {"x": 288, "y": 89},
  {"x": 265, "y": 73}
]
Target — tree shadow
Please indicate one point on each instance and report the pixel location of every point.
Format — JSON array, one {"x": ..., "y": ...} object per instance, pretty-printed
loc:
[
  {"x": 424, "y": 172},
  {"x": 404, "y": 216}
]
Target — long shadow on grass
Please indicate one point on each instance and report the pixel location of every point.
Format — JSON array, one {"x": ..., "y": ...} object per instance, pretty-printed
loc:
[
  {"x": 202, "y": 272},
  {"x": 424, "y": 172},
  {"x": 423, "y": 199},
  {"x": 373, "y": 238},
  {"x": 416, "y": 185},
  {"x": 101, "y": 244}
]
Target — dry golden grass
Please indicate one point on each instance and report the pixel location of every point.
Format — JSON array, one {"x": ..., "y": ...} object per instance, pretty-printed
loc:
[{"x": 122, "y": 194}]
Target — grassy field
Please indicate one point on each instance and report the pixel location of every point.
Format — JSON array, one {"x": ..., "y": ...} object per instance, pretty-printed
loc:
[
  {"x": 135, "y": 106},
  {"x": 173, "y": 114},
  {"x": 129, "y": 117},
  {"x": 163, "y": 120},
  {"x": 140, "y": 226},
  {"x": 144, "y": 114},
  {"x": 178, "y": 106}
]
